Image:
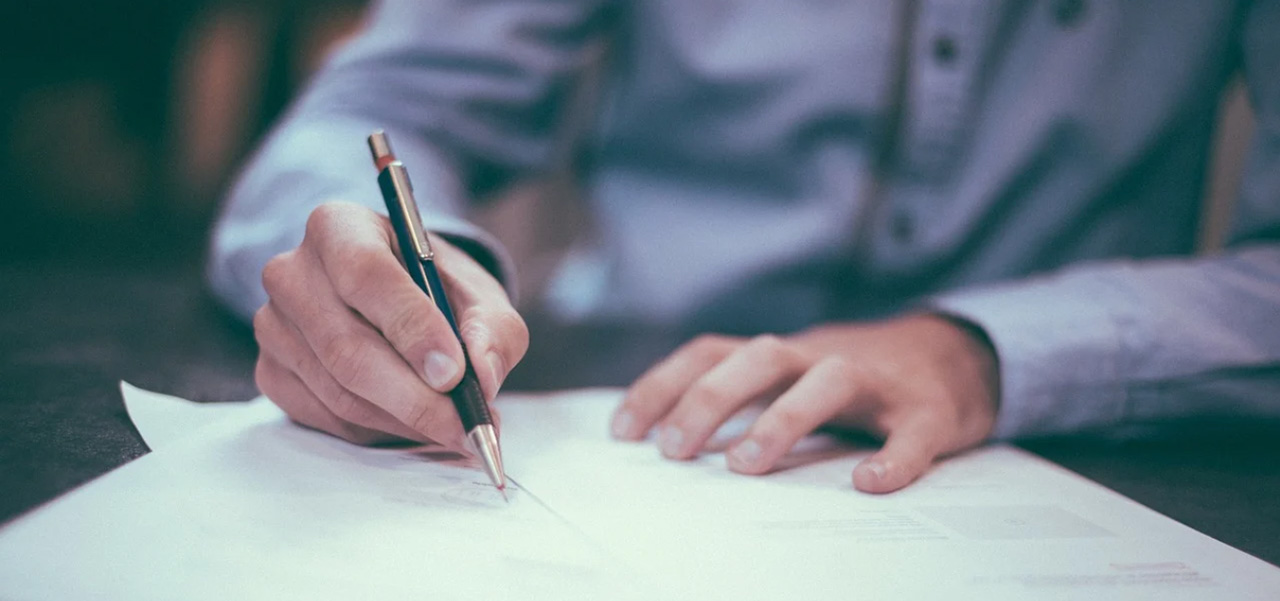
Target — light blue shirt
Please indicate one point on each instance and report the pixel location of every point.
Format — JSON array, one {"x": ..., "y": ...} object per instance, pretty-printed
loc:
[{"x": 1035, "y": 167}]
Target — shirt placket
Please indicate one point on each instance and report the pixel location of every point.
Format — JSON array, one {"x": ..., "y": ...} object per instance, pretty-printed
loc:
[{"x": 944, "y": 70}]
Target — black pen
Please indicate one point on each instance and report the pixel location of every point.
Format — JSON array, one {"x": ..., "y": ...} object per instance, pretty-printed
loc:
[{"x": 419, "y": 259}]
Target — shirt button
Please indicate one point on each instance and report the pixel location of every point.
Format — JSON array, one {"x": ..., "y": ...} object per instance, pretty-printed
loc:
[
  {"x": 902, "y": 227},
  {"x": 944, "y": 50},
  {"x": 1067, "y": 13}
]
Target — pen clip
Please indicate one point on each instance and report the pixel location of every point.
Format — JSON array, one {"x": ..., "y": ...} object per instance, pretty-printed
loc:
[
  {"x": 409, "y": 208},
  {"x": 401, "y": 199}
]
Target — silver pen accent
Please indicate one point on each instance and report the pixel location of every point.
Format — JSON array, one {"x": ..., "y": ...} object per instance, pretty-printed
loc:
[{"x": 484, "y": 440}]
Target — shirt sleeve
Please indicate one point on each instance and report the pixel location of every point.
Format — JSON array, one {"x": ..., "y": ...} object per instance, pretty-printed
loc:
[
  {"x": 472, "y": 94},
  {"x": 1132, "y": 343}
]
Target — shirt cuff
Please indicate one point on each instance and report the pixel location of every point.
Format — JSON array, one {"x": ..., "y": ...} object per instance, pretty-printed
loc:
[{"x": 1059, "y": 346}]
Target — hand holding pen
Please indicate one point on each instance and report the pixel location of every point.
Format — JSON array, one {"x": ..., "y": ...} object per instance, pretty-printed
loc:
[{"x": 350, "y": 345}]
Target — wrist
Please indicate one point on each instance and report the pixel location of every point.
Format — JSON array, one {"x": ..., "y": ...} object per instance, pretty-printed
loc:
[{"x": 977, "y": 346}]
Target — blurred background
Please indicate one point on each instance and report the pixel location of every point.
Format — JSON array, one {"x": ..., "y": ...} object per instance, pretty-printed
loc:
[
  {"x": 121, "y": 124},
  {"x": 122, "y": 121}
]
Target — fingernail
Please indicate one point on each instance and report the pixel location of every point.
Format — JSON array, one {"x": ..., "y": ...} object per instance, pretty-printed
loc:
[
  {"x": 876, "y": 468},
  {"x": 670, "y": 440},
  {"x": 621, "y": 426},
  {"x": 746, "y": 454},
  {"x": 439, "y": 370}
]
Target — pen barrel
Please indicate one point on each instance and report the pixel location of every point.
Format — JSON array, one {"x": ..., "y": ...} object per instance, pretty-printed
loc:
[
  {"x": 469, "y": 401},
  {"x": 467, "y": 397}
]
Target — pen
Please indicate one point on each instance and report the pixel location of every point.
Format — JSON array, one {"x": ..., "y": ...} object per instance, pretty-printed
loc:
[{"x": 419, "y": 259}]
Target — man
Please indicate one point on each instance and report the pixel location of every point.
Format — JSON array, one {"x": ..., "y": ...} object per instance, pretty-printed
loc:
[{"x": 936, "y": 221}]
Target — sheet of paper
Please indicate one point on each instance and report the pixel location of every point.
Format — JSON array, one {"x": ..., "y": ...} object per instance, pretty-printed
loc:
[
  {"x": 254, "y": 507},
  {"x": 993, "y": 524},
  {"x": 163, "y": 420}
]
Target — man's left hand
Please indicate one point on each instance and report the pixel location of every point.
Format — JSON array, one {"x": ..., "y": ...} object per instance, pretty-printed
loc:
[{"x": 926, "y": 385}]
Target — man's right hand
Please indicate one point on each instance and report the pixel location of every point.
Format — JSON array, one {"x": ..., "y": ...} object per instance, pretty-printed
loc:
[{"x": 349, "y": 345}]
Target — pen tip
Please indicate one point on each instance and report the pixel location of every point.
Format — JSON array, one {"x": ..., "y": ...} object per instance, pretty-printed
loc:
[{"x": 503, "y": 490}]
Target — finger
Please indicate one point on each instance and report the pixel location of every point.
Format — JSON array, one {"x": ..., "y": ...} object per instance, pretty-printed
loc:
[
  {"x": 817, "y": 396},
  {"x": 906, "y": 454},
  {"x": 296, "y": 400},
  {"x": 763, "y": 364},
  {"x": 282, "y": 342},
  {"x": 496, "y": 340},
  {"x": 354, "y": 247},
  {"x": 354, "y": 353},
  {"x": 496, "y": 336},
  {"x": 658, "y": 390}
]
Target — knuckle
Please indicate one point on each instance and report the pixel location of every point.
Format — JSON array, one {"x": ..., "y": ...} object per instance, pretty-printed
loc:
[
  {"x": 261, "y": 326},
  {"x": 844, "y": 370},
  {"x": 327, "y": 387},
  {"x": 346, "y": 406},
  {"x": 349, "y": 359},
  {"x": 709, "y": 395},
  {"x": 275, "y": 274},
  {"x": 768, "y": 342},
  {"x": 421, "y": 417},
  {"x": 707, "y": 343},
  {"x": 768, "y": 347},
  {"x": 358, "y": 270},
  {"x": 356, "y": 414},
  {"x": 298, "y": 363},
  {"x": 407, "y": 325},
  {"x": 325, "y": 218},
  {"x": 786, "y": 421},
  {"x": 260, "y": 318}
]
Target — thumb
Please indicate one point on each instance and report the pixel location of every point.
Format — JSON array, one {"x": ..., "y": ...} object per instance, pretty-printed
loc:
[{"x": 905, "y": 456}]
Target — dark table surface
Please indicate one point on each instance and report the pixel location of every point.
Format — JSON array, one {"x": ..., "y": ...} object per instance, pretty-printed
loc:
[{"x": 68, "y": 335}]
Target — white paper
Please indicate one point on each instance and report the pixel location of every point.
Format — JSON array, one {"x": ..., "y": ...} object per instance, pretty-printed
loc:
[
  {"x": 254, "y": 507},
  {"x": 163, "y": 420},
  {"x": 997, "y": 523}
]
